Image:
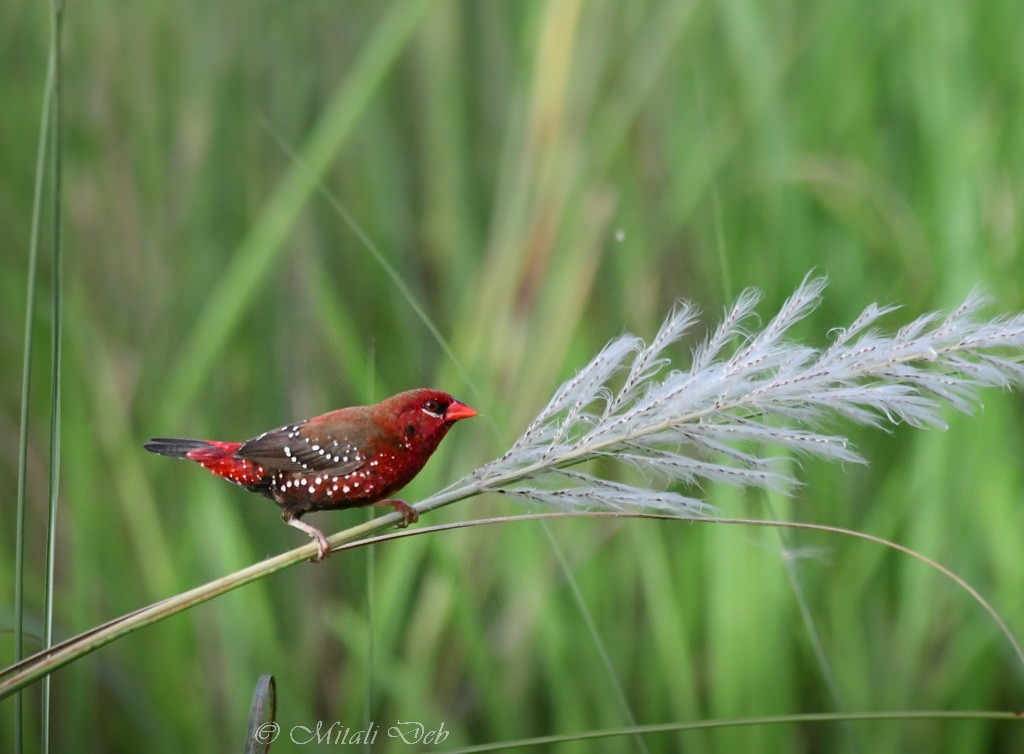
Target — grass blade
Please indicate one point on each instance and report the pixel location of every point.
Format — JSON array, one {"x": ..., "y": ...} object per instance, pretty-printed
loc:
[
  {"x": 26, "y": 389},
  {"x": 55, "y": 355},
  {"x": 599, "y": 644}
]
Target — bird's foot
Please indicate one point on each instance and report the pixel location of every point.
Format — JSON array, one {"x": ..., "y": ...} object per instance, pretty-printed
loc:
[
  {"x": 323, "y": 547},
  {"x": 409, "y": 514}
]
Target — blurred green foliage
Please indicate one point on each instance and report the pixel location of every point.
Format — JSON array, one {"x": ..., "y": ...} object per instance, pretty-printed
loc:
[{"x": 542, "y": 176}]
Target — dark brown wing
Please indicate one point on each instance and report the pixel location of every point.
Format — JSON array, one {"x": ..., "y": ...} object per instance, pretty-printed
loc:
[{"x": 303, "y": 447}]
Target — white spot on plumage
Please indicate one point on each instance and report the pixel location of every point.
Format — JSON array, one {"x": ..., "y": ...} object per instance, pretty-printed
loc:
[
  {"x": 312, "y": 489},
  {"x": 315, "y": 447},
  {"x": 345, "y": 488}
]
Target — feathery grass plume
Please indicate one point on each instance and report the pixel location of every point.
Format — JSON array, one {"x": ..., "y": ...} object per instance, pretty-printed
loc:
[{"x": 746, "y": 390}]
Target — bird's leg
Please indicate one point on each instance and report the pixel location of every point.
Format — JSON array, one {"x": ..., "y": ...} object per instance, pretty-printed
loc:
[
  {"x": 323, "y": 547},
  {"x": 409, "y": 514}
]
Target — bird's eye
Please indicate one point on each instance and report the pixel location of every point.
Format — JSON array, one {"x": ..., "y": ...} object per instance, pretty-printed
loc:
[{"x": 434, "y": 408}]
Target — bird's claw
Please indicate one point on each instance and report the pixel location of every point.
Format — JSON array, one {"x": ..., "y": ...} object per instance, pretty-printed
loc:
[
  {"x": 409, "y": 514},
  {"x": 323, "y": 548}
]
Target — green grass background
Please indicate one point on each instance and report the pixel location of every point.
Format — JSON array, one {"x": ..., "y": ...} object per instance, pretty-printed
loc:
[{"x": 541, "y": 176}]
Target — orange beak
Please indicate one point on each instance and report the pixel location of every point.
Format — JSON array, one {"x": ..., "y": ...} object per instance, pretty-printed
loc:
[{"x": 458, "y": 411}]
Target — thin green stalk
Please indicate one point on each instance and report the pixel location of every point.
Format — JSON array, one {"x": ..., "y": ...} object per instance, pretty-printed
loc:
[
  {"x": 371, "y": 572},
  {"x": 396, "y": 279},
  {"x": 26, "y": 389},
  {"x": 810, "y": 625},
  {"x": 371, "y": 568},
  {"x": 47, "y": 661},
  {"x": 51, "y": 526},
  {"x": 819, "y": 717},
  {"x": 595, "y": 635},
  {"x": 813, "y": 633}
]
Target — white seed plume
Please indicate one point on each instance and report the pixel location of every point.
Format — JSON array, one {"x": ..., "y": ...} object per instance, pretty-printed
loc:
[{"x": 745, "y": 391}]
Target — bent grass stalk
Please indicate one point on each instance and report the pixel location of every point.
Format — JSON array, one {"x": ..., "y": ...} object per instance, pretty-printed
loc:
[
  {"x": 43, "y": 663},
  {"x": 706, "y": 423}
]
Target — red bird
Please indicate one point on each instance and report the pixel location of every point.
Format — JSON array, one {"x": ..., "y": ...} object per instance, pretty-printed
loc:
[{"x": 343, "y": 459}]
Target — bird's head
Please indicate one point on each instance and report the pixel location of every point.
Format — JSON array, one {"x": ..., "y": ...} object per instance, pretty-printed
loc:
[{"x": 423, "y": 417}]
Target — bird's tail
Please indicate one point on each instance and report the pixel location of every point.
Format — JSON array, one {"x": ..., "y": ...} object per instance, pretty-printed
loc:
[
  {"x": 176, "y": 447},
  {"x": 218, "y": 457}
]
